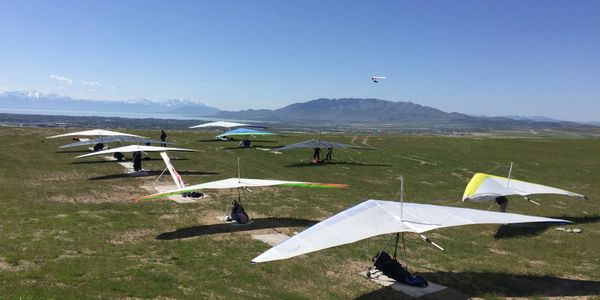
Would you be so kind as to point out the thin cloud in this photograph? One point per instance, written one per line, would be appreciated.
(62, 79)
(91, 83)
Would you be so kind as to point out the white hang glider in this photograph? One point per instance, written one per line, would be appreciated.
(241, 183)
(93, 132)
(237, 212)
(377, 217)
(114, 139)
(376, 79)
(137, 149)
(221, 124)
(485, 187)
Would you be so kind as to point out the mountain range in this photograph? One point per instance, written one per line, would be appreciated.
(319, 112)
(42, 101)
(376, 111)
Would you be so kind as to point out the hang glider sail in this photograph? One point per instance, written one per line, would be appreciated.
(485, 187)
(376, 79)
(93, 132)
(233, 183)
(113, 139)
(317, 144)
(378, 217)
(244, 132)
(221, 124)
(136, 148)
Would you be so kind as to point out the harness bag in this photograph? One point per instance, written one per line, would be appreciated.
(393, 269)
(238, 213)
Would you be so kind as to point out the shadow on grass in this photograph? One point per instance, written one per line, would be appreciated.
(74, 151)
(512, 285)
(260, 223)
(150, 173)
(251, 147)
(498, 285)
(125, 160)
(311, 164)
(533, 229)
(390, 293)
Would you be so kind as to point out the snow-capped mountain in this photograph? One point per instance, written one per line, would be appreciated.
(38, 100)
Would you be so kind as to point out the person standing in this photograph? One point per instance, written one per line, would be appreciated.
(317, 155)
(163, 138)
(329, 155)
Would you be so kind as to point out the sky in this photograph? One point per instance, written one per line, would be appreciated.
(535, 58)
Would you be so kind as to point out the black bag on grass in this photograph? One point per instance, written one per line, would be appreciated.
(393, 269)
(238, 214)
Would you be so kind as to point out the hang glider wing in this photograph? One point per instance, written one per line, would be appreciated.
(377, 217)
(136, 148)
(317, 144)
(377, 78)
(220, 124)
(244, 132)
(93, 132)
(113, 139)
(485, 187)
(232, 183)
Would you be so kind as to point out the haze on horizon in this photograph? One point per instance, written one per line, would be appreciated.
(511, 57)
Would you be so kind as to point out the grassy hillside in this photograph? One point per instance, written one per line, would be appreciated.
(69, 228)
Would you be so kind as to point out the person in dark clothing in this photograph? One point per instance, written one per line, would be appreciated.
(329, 155)
(316, 155)
(137, 161)
(245, 143)
(502, 202)
(98, 147)
(163, 138)
(119, 156)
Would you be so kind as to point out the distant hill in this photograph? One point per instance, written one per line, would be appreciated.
(37, 100)
(376, 111)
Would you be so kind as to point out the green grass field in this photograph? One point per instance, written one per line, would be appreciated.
(69, 228)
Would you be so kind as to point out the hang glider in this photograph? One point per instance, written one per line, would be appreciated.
(485, 187)
(113, 139)
(93, 132)
(317, 144)
(222, 124)
(237, 214)
(233, 183)
(244, 132)
(137, 157)
(377, 217)
(136, 148)
(376, 79)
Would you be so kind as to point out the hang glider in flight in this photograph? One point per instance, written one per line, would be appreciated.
(485, 187)
(377, 217)
(93, 132)
(376, 79)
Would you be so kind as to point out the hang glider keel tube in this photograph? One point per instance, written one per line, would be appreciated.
(177, 178)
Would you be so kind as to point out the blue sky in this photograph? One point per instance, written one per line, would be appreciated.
(478, 57)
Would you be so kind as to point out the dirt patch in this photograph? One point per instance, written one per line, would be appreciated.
(21, 266)
(422, 162)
